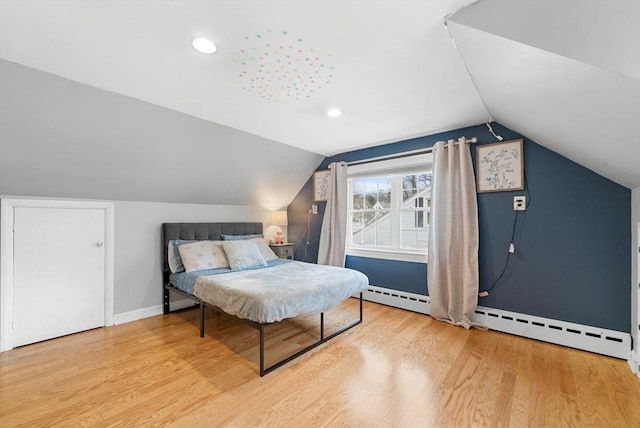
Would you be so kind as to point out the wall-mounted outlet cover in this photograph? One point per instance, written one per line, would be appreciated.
(519, 203)
(314, 209)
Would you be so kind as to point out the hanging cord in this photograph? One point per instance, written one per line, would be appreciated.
(464, 63)
(485, 293)
(527, 189)
(499, 137)
(306, 232)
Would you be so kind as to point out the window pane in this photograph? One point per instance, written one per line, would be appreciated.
(371, 228)
(377, 192)
(414, 227)
(384, 192)
(358, 186)
(415, 185)
(357, 224)
(358, 201)
(415, 238)
(370, 186)
(374, 229)
(369, 237)
(408, 187)
(416, 204)
(384, 199)
(424, 181)
(383, 229)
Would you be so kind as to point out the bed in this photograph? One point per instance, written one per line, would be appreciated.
(259, 290)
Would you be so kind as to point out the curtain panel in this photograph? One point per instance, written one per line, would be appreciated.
(333, 236)
(452, 261)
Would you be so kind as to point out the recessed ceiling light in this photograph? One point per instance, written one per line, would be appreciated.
(334, 112)
(203, 45)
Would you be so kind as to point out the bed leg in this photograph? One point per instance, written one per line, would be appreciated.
(360, 307)
(201, 319)
(262, 372)
(321, 325)
(167, 301)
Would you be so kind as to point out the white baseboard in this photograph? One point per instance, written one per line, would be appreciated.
(588, 338)
(399, 299)
(634, 362)
(139, 314)
(602, 341)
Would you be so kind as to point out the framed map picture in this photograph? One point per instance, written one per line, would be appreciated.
(321, 185)
(500, 167)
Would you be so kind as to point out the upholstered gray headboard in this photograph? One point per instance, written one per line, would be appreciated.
(202, 231)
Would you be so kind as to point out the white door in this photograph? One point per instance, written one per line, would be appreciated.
(58, 272)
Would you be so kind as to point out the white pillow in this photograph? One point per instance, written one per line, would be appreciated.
(265, 251)
(203, 255)
(173, 256)
(243, 254)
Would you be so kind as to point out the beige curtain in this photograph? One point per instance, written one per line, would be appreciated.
(452, 263)
(333, 235)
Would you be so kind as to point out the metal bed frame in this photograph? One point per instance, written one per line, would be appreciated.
(213, 231)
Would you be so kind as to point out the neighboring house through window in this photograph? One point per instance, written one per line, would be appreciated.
(389, 208)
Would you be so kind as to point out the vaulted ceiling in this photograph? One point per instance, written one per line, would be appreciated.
(564, 73)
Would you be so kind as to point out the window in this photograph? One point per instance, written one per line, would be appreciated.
(420, 214)
(389, 208)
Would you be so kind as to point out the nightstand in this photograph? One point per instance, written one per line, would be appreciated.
(284, 251)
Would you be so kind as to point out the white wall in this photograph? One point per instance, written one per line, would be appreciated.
(635, 292)
(138, 287)
(138, 274)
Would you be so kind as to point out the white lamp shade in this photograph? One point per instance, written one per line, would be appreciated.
(279, 218)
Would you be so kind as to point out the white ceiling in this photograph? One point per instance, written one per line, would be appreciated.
(389, 66)
(564, 73)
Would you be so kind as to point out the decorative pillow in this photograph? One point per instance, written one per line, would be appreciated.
(243, 254)
(203, 255)
(241, 237)
(173, 256)
(265, 251)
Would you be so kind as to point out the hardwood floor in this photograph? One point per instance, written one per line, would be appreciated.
(397, 369)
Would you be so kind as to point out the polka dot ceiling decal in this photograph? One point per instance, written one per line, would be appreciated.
(280, 68)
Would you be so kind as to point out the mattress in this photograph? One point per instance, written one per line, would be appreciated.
(282, 290)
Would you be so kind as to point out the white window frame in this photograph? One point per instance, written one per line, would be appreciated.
(398, 166)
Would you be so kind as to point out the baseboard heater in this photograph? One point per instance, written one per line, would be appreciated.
(601, 341)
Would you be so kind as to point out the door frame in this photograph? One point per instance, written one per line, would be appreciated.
(6, 256)
(634, 360)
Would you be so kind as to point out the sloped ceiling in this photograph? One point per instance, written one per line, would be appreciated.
(564, 73)
(59, 138)
(280, 65)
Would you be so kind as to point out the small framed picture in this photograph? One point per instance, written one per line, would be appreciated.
(500, 167)
(321, 185)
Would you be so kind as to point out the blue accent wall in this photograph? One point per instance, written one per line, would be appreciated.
(403, 276)
(572, 259)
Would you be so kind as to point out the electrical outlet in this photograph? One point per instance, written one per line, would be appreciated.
(519, 203)
(314, 209)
